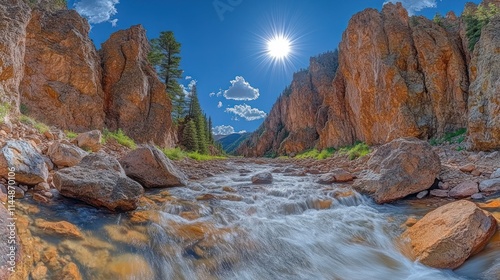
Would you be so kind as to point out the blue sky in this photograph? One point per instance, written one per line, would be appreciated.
(224, 45)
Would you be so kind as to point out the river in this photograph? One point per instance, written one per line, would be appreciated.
(293, 228)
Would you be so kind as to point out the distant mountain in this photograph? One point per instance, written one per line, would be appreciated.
(232, 141)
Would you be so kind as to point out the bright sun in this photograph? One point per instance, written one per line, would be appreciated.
(278, 47)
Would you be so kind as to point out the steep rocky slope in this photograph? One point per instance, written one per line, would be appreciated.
(398, 76)
(51, 70)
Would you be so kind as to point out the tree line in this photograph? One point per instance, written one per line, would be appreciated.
(194, 129)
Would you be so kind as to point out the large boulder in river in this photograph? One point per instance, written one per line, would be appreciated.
(28, 163)
(150, 167)
(99, 180)
(402, 167)
(64, 154)
(447, 236)
(262, 178)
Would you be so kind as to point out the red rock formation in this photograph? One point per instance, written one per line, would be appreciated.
(62, 76)
(135, 99)
(14, 16)
(484, 100)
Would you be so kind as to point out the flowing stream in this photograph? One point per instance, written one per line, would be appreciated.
(290, 229)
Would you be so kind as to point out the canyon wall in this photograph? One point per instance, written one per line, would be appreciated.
(398, 76)
(51, 71)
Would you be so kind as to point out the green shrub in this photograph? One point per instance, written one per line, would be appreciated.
(174, 154)
(312, 153)
(23, 109)
(4, 110)
(70, 134)
(41, 127)
(475, 20)
(359, 149)
(120, 137)
(454, 137)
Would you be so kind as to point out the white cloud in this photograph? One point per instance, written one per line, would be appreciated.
(240, 90)
(219, 105)
(187, 90)
(415, 5)
(97, 11)
(225, 130)
(212, 94)
(188, 78)
(113, 22)
(246, 112)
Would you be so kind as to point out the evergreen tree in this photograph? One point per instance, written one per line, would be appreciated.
(209, 131)
(196, 114)
(164, 56)
(189, 137)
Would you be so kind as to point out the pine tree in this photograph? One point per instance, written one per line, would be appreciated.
(209, 131)
(196, 114)
(190, 137)
(164, 56)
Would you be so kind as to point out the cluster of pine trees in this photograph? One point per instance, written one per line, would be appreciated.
(193, 127)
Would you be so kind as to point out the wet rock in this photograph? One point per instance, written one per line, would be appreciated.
(19, 192)
(464, 189)
(447, 236)
(337, 175)
(40, 272)
(262, 178)
(402, 167)
(43, 186)
(128, 266)
(65, 155)
(70, 272)
(495, 174)
(231, 197)
(85, 255)
(40, 198)
(61, 228)
(491, 185)
(206, 196)
(422, 194)
(411, 221)
(439, 193)
(99, 180)
(319, 204)
(127, 236)
(145, 216)
(228, 189)
(150, 167)
(477, 196)
(29, 164)
(90, 140)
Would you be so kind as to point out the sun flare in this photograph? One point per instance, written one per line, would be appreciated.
(278, 47)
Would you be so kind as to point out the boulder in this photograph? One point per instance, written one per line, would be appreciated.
(484, 101)
(402, 167)
(337, 175)
(262, 178)
(64, 154)
(135, 99)
(90, 140)
(29, 164)
(61, 228)
(150, 167)
(99, 180)
(447, 236)
(491, 185)
(464, 189)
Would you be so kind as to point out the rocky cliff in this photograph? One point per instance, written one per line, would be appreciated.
(51, 70)
(398, 76)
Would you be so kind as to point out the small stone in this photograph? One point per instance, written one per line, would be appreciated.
(476, 172)
(19, 193)
(228, 189)
(464, 189)
(40, 272)
(439, 193)
(48, 194)
(477, 196)
(467, 168)
(40, 198)
(48, 135)
(24, 188)
(206, 197)
(61, 228)
(495, 174)
(43, 186)
(422, 194)
(410, 221)
(444, 185)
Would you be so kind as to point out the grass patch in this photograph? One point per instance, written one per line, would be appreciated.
(455, 137)
(359, 149)
(178, 153)
(316, 154)
(41, 127)
(4, 110)
(120, 137)
(201, 157)
(70, 134)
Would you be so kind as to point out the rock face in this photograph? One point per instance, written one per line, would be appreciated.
(14, 17)
(484, 100)
(99, 180)
(29, 164)
(135, 99)
(402, 167)
(150, 167)
(447, 236)
(65, 154)
(397, 77)
(62, 76)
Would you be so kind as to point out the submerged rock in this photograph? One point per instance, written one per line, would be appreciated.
(447, 236)
(262, 178)
(99, 180)
(29, 164)
(150, 167)
(61, 228)
(402, 167)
